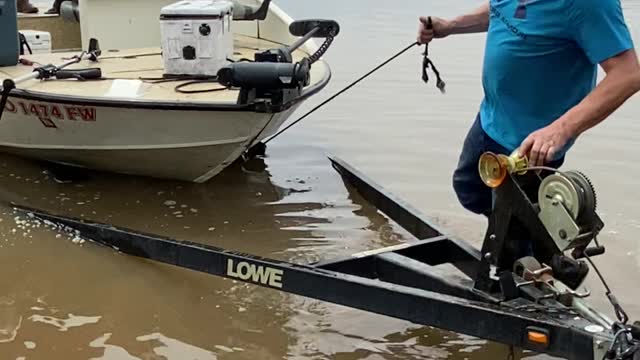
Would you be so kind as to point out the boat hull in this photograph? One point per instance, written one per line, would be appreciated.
(134, 120)
(188, 144)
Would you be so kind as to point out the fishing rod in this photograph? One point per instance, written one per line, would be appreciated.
(426, 63)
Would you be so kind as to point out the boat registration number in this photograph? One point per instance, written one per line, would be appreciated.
(48, 113)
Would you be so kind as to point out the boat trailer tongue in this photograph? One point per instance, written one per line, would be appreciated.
(523, 288)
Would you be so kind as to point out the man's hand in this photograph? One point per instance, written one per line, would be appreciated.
(543, 145)
(474, 22)
(441, 28)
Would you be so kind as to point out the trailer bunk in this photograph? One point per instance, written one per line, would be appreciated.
(519, 289)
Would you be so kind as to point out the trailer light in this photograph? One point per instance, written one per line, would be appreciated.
(538, 338)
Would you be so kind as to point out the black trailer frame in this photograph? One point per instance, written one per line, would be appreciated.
(402, 281)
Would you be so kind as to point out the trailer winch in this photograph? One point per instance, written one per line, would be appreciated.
(519, 289)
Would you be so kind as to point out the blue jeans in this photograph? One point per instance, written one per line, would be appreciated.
(472, 193)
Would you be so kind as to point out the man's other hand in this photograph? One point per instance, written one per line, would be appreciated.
(543, 145)
(441, 28)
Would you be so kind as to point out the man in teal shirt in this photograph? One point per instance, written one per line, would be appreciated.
(539, 79)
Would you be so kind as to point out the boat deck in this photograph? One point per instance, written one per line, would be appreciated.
(126, 72)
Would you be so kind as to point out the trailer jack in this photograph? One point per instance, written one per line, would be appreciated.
(519, 289)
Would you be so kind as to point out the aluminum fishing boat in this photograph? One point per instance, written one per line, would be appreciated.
(117, 110)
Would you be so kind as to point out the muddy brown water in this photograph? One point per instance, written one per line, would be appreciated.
(61, 299)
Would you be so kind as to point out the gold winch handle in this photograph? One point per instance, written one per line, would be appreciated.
(494, 168)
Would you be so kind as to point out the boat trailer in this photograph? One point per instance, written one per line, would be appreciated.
(519, 289)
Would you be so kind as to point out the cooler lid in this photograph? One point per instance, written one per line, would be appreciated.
(200, 8)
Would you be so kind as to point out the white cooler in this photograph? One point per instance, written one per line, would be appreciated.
(197, 37)
(39, 41)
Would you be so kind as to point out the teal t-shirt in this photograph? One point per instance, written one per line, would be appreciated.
(541, 59)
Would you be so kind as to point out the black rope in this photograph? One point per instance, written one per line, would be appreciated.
(426, 63)
(342, 91)
(620, 313)
(23, 43)
(191, 80)
(172, 78)
(239, 60)
(7, 86)
(76, 57)
(178, 88)
(440, 84)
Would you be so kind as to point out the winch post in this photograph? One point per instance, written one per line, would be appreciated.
(514, 230)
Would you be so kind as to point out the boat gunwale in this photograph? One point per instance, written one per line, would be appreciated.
(169, 105)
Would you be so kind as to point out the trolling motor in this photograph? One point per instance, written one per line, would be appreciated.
(273, 76)
(540, 214)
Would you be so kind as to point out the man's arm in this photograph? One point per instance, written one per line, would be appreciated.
(621, 82)
(598, 27)
(474, 22)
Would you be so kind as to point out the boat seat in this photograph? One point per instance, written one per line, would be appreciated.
(69, 10)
